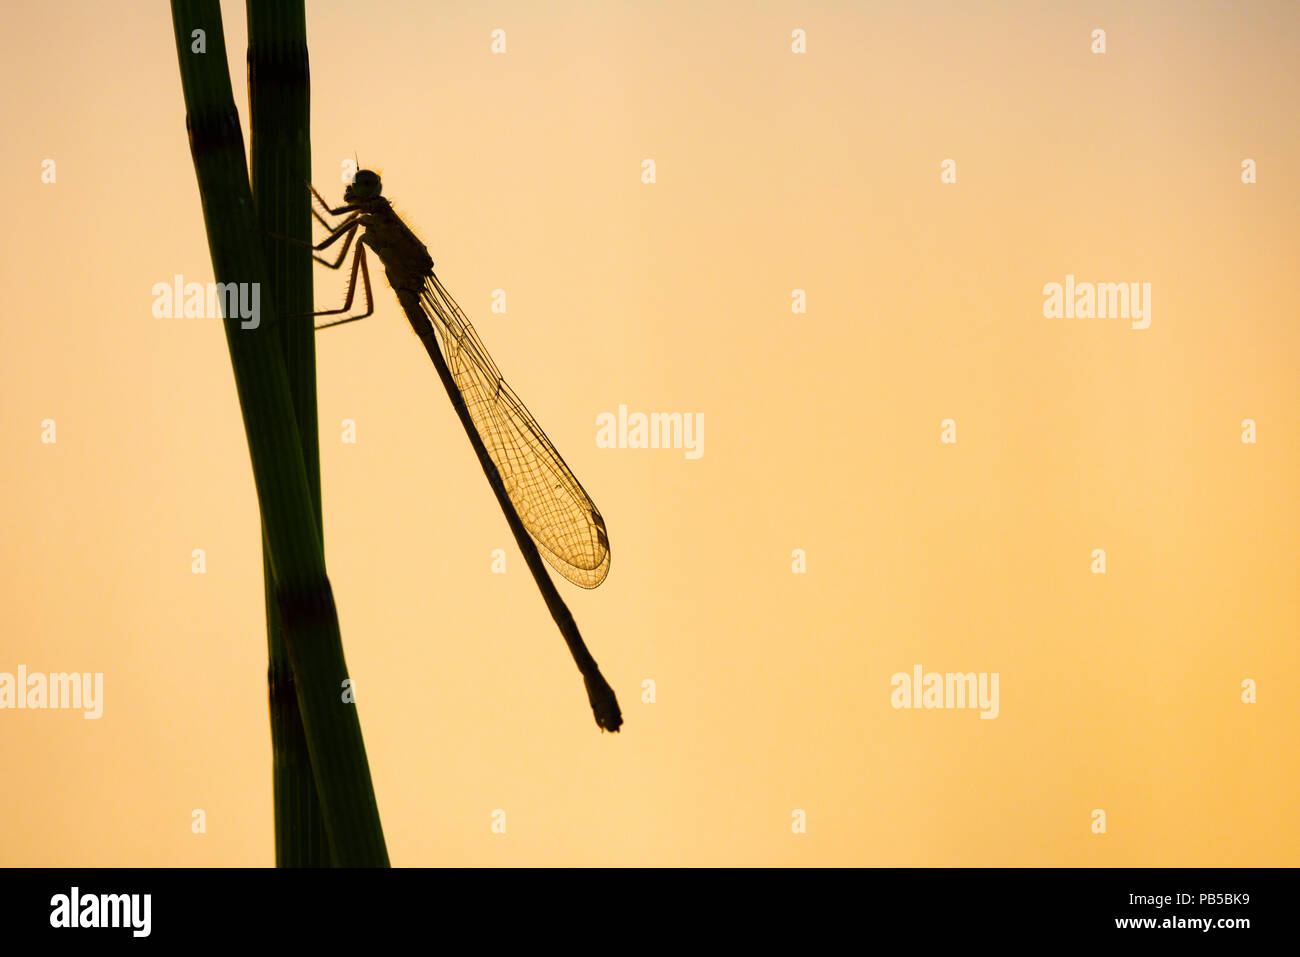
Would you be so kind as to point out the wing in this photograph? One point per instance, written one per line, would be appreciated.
(552, 504)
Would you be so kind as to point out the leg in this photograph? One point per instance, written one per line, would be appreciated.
(326, 206)
(321, 219)
(348, 226)
(358, 262)
(343, 253)
(348, 229)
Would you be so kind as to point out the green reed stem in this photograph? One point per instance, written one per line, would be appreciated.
(287, 498)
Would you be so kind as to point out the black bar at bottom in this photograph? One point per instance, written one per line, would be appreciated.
(924, 906)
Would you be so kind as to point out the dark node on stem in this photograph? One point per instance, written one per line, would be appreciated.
(282, 68)
(214, 132)
(301, 609)
(279, 682)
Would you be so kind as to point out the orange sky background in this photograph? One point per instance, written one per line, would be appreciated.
(775, 172)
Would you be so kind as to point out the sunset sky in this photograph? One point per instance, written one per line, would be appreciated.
(827, 538)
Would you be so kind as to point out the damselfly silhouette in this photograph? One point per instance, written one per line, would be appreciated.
(546, 507)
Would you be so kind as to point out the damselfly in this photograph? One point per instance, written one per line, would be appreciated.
(546, 507)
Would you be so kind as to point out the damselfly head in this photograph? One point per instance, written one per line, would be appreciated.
(365, 185)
